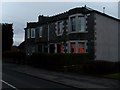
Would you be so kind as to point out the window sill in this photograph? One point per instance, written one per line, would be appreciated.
(59, 34)
(79, 32)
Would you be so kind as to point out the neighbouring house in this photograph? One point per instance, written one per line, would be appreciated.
(79, 30)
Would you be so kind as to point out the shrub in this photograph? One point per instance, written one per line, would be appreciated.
(14, 56)
(53, 61)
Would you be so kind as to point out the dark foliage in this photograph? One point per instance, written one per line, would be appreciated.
(55, 61)
(14, 57)
(64, 62)
(7, 37)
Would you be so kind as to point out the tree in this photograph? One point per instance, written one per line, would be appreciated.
(7, 37)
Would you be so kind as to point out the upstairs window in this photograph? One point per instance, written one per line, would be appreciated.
(81, 23)
(59, 27)
(73, 24)
(32, 32)
(28, 33)
(40, 32)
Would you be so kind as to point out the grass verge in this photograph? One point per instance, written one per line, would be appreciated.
(113, 76)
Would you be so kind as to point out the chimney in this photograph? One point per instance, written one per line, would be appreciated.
(103, 9)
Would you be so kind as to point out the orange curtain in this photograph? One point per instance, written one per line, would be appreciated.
(81, 50)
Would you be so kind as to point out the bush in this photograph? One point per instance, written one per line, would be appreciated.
(54, 61)
(15, 57)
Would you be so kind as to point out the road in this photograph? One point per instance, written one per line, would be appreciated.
(17, 81)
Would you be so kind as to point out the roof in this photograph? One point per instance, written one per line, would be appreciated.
(65, 15)
(83, 10)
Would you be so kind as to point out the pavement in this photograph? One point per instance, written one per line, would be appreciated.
(69, 79)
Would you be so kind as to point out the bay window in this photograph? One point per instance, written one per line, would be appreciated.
(81, 23)
(81, 47)
(73, 24)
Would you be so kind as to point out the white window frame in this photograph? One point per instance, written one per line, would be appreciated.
(73, 24)
(40, 31)
(33, 32)
(81, 24)
(76, 44)
(76, 22)
(60, 27)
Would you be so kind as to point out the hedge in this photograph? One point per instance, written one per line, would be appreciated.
(56, 60)
(14, 57)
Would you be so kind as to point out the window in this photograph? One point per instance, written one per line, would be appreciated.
(59, 48)
(73, 23)
(40, 31)
(81, 47)
(33, 49)
(81, 23)
(73, 47)
(78, 47)
(59, 28)
(32, 33)
(28, 33)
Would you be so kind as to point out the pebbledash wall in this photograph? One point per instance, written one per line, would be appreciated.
(79, 30)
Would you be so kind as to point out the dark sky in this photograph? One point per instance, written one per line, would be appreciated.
(19, 13)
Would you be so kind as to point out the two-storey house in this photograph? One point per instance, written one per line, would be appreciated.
(79, 30)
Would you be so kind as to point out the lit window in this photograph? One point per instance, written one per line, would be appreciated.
(28, 33)
(73, 24)
(32, 33)
(81, 23)
(81, 47)
(40, 32)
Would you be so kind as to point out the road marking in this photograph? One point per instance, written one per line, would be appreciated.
(10, 85)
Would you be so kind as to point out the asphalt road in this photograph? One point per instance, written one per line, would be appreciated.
(17, 81)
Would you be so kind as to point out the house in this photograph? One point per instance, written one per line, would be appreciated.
(79, 30)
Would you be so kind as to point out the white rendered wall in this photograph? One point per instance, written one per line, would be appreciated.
(106, 43)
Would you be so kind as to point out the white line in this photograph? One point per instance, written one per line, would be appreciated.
(10, 85)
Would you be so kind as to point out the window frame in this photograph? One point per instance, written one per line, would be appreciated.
(76, 45)
(32, 31)
(59, 27)
(40, 31)
(73, 24)
(76, 22)
(82, 25)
